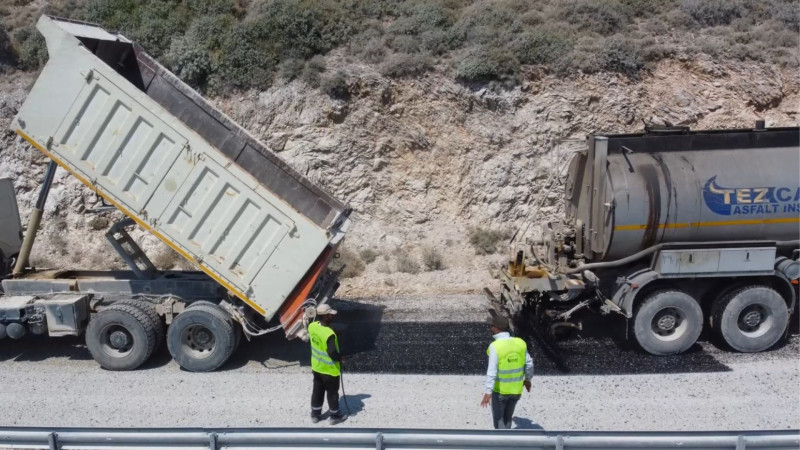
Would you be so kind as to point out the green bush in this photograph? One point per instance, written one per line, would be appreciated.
(483, 64)
(301, 29)
(335, 85)
(312, 71)
(541, 47)
(603, 16)
(246, 61)
(7, 57)
(620, 55)
(31, 49)
(711, 13)
(400, 65)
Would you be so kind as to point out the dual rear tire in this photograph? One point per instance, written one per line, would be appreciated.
(124, 335)
(748, 319)
(202, 338)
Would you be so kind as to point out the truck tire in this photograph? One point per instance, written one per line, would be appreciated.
(120, 337)
(750, 319)
(201, 338)
(237, 328)
(667, 322)
(149, 309)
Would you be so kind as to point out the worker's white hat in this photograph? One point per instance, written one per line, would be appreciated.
(325, 310)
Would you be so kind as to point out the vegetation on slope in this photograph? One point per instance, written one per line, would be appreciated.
(219, 45)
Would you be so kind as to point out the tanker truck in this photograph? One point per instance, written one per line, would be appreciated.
(261, 234)
(675, 230)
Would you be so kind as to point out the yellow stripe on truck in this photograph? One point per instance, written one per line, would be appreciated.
(712, 224)
(144, 225)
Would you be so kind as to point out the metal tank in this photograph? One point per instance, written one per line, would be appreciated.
(627, 193)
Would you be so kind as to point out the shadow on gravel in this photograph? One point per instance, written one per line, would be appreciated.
(522, 423)
(357, 326)
(355, 403)
(40, 348)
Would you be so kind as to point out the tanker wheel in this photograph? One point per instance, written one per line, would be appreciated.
(120, 337)
(201, 338)
(667, 322)
(150, 310)
(750, 319)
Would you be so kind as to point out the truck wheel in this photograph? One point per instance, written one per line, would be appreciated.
(237, 328)
(120, 337)
(750, 319)
(201, 338)
(667, 322)
(149, 309)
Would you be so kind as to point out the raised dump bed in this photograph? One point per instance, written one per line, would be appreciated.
(129, 129)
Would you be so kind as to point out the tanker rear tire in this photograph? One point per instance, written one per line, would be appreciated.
(750, 319)
(202, 338)
(667, 322)
(120, 337)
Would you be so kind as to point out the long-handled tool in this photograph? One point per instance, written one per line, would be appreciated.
(344, 395)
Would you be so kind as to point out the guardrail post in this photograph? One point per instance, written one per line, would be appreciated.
(52, 441)
(379, 441)
(741, 444)
(559, 442)
(212, 441)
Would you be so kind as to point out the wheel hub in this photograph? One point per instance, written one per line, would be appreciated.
(667, 322)
(119, 339)
(198, 340)
(752, 318)
(202, 337)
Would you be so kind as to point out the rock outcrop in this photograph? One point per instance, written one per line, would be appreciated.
(424, 161)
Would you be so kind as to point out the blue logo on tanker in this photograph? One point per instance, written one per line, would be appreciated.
(728, 201)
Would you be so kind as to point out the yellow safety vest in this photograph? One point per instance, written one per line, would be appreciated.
(510, 365)
(321, 362)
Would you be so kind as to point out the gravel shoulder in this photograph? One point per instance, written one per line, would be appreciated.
(409, 375)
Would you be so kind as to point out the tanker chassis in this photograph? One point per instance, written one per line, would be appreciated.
(675, 230)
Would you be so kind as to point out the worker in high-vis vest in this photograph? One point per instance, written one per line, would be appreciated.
(326, 366)
(510, 369)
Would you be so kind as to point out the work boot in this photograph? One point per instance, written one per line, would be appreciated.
(315, 416)
(335, 419)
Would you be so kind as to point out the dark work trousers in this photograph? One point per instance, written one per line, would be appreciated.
(503, 410)
(325, 384)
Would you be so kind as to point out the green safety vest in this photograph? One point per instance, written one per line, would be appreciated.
(321, 362)
(510, 365)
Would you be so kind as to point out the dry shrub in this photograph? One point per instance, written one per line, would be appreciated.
(485, 240)
(405, 263)
(166, 258)
(432, 259)
(368, 255)
(349, 262)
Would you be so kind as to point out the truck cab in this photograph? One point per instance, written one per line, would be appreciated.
(10, 227)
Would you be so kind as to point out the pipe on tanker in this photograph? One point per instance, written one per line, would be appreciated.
(655, 248)
(35, 219)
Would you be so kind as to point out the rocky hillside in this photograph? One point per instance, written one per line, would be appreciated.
(436, 172)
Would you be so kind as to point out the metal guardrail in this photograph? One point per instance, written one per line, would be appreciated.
(386, 439)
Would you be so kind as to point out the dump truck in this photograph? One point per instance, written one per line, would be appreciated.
(675, 230)
(261, 234)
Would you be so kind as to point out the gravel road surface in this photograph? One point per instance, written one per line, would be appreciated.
(416, 363)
